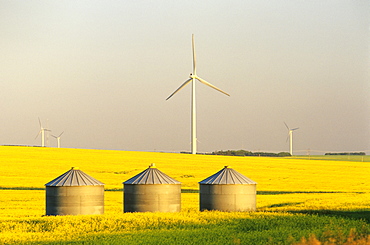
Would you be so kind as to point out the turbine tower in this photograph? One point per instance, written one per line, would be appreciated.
(42, 132)
(290, 136)
(192, 78)
(58, 138)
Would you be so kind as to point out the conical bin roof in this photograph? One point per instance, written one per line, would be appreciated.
(227, 176)
(74, 177)
(151, 176)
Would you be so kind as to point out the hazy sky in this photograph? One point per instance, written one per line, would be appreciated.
(101, 70)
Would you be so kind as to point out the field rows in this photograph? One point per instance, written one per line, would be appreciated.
(33, 167)
(31, 203)
(296, 198)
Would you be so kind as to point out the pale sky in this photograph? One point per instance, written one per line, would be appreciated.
(101, 70)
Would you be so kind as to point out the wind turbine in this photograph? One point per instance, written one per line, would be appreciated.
(290, 136)
(192, 78)
(58, 138)
(42, 132)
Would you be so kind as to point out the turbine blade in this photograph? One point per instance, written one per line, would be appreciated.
(286, 126)
(294, 129)
(194, 57)
(287, 138)
(182, 85)
(38, 134)
(210, 85)
(40, 123)
(61, 134)
(54, 136)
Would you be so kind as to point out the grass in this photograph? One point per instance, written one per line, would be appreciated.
(182, 228)
(205, 229)
(326, 200)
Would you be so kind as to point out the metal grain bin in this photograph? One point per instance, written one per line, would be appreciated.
(74, 193)
(228, 190)
(152, 191)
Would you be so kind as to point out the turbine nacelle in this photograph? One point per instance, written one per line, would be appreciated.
(42, 132)
(58, 138)
(290, 137)
(192, 78)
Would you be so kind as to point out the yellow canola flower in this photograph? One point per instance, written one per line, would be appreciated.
(284, 184)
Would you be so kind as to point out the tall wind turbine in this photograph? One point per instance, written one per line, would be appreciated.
(58, 138)
(290, 136)
(192, 78)
(42, 132)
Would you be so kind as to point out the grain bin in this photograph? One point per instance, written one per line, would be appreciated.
(74, 193)
(152, 191)
(227, 190)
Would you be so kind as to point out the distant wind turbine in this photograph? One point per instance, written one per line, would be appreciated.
(42, 132)
(193, 77)
(290, 137)
(58, 138)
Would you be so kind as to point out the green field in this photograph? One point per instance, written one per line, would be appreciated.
(299, 201)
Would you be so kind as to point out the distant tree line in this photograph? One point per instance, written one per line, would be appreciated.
(249, 153)
(346, 153)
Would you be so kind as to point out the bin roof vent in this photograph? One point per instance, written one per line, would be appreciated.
(151, 176)
(227, 176)
(74, 177)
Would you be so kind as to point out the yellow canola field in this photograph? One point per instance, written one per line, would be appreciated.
(28, 204)
(64, 228)
(284, 184)
(33, 167)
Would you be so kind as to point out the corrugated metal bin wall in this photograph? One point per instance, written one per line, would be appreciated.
(74, 193)
(152, 191)
(227, 190)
